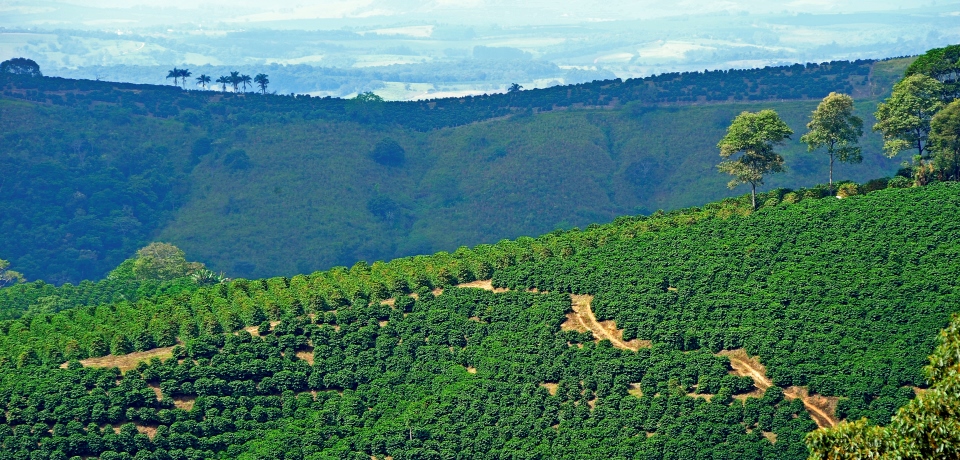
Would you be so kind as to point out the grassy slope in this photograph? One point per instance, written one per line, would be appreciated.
(303, 206)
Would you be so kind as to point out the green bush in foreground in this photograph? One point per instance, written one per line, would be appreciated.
(926, 428)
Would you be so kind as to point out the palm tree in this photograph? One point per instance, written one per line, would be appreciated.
(174, 74)
(235, 80)
(263, 81)
(184, 73)
(223, 82)
(246, 80)
(202, 80)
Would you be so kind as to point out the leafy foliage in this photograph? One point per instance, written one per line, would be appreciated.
(20, 66)
(388, 153)
(341, 374)
(754, 136)
(163, 262)
(943, 65)
(904, 118)
(834, 126)
(945, 141)
(8, 276)
(926, 428)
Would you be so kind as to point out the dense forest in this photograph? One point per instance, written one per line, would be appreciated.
(394, 359)
(94, 170)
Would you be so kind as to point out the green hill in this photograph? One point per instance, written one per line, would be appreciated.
(735, 333)
(267, 185)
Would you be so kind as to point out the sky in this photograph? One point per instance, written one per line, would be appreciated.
(463, 11)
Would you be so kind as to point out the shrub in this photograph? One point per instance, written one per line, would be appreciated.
(875, 184)
(848, 189)
(899, 182)
(236, 159)
(388, 153)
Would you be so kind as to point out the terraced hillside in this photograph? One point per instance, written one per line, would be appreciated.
(712, 332)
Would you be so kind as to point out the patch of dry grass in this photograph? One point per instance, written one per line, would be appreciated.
(126, 362)
(551, 387)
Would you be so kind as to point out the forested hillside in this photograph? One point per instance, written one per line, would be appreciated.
(261, 185)
(713, 332)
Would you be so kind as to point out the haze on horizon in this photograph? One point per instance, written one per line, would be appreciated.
(405, 49)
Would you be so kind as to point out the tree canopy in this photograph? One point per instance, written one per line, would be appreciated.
(21, 66)
(834, 126)
(9, 277)
(904, 118)
(162, 261)
(754, 136)
(945, 141)
(943, 65)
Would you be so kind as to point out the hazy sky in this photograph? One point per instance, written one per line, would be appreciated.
(466, 11)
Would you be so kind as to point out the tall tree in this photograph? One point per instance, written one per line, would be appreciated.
(753, 135)
(223, 81)
(945, 141)
(235, 81)
(904, 118)
(162, 261)
(834, 127)
(175, 75)
(262, 80)
(184, 73)
(202, 80)
(246, 80)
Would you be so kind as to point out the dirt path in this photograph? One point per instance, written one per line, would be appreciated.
(583, 319)
(821, 408)
(745, 366)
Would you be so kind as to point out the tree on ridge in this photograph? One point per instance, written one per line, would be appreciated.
(262, 80)
(223, 81)
(834, 126)
(202, 80)
(21, 66)
(904, 118)
(235, 81)
(754, 135)
(175, 75)
(184, 73)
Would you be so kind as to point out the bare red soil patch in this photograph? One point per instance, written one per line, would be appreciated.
(582, 319)
(821, 408)
(126, 362)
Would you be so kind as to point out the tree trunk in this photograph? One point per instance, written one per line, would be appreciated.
(753, 195)
(831, 174)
